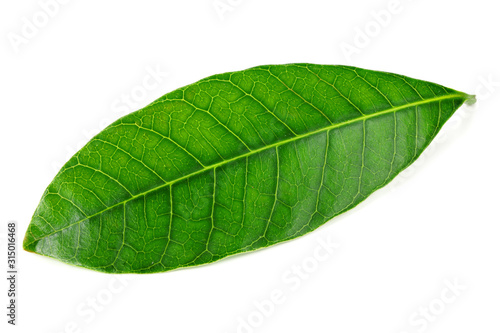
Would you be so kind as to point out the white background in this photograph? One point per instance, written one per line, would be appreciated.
(437, 223)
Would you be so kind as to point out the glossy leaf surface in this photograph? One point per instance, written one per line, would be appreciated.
(233, 163)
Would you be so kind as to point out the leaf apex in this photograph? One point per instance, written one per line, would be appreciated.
(29, 245)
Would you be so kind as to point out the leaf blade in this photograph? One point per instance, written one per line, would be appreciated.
(293, 109)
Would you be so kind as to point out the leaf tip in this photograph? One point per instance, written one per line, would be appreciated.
(28, 245)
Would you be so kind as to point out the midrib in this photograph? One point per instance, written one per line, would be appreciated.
(256, 151)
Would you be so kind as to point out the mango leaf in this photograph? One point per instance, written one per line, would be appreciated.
(233, 163)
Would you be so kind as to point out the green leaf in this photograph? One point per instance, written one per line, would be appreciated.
(233, 163)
